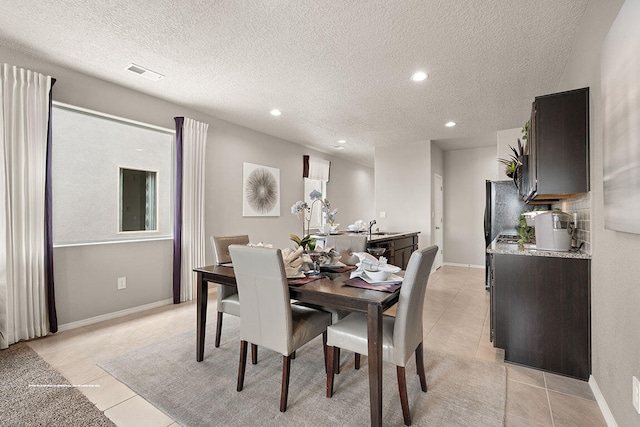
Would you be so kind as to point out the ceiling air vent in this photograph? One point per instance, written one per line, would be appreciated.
(144, 72)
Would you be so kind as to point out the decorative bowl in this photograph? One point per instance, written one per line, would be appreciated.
(378, 276)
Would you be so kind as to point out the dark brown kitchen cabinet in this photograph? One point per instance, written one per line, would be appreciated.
(398, 249)
(557, 166)
(540, 312)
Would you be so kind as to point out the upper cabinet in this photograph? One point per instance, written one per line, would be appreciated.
(557, 164)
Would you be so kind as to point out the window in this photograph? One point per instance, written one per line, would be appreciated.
(317, 218)
(137, 200)
(101, 163)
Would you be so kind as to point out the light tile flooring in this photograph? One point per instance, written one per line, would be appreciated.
(456, 320)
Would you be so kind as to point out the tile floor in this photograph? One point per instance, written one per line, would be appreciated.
(456, 320)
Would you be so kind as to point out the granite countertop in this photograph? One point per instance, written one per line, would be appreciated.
(375, 236)
(529, 249)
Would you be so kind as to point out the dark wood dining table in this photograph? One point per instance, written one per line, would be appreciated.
(330, 290)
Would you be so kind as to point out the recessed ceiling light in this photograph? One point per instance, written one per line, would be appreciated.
(419, 76)
(339, 147)
(144, 72)
(450, 124)
(342, 141)
(138, 149)
(275, 112)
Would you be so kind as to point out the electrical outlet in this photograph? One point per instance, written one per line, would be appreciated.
(636, 394)
(383, 214)
(122, 282)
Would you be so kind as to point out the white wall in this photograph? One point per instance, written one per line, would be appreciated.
(465, 173)
(403, 189)
(86, 276)
(615, 290)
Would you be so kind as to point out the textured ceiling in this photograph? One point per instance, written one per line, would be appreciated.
(336, 69)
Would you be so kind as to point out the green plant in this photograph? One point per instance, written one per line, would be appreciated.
(524, 231)
(525, 131)
(513, 163)
(307, 242)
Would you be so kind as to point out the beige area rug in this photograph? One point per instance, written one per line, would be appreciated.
(461, 392)
(32, 393)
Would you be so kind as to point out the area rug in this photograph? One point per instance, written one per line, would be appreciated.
(461, 392)
(32, 393)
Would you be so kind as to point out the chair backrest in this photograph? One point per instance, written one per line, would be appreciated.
(221, 244)
(407, 332)
(265, 307)
(346, 246)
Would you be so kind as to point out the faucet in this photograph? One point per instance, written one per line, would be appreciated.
(371, 223)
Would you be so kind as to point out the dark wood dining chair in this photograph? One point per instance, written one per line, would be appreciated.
(267, 317)
(402, 335)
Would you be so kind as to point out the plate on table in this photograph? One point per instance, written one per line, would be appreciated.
(393, 278)
(338, 264)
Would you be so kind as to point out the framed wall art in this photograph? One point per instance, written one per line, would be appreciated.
(260, 190)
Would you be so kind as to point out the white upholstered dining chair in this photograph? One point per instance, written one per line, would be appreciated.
(227, 295)
(402, 335)
(267, 317)
(346, 246)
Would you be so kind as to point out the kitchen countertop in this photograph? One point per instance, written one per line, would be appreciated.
(375, 236)
(529, 249)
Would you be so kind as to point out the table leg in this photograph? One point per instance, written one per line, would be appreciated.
(374, 335)
(202, 294)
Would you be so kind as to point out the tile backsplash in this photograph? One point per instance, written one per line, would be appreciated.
(581, 206)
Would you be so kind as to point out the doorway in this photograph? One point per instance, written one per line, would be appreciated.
(437, 220)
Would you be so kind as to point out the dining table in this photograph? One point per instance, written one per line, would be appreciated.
(329, 290)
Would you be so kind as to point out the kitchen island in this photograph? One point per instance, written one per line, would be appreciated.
(540, 308)
(398, 245)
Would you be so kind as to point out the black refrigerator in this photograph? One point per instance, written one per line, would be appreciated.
(502, 210)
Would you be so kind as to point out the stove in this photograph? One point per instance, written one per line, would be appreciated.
(507, 238)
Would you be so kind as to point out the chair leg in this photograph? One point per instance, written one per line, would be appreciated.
(357, 361)
(242, 365)
(404, 401)
(218, 329)
(324, 349)
(254, 354)
(284, 393)
(420, 367)
(331, 353)
(336, 361)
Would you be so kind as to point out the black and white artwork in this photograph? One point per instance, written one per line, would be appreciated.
(260, 190)
(621, 95)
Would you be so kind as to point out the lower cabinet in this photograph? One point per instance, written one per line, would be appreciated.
(398, 249)
(540, 312)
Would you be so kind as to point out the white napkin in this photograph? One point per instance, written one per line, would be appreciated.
(292, 261)
(359, 225)
(371, 263)
(261, 244)
(329, 256)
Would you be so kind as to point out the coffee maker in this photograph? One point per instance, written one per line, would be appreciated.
(554, 231)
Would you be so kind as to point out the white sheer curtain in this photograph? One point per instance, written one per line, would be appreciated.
(194, 143)
(24, 115)
(319, 169)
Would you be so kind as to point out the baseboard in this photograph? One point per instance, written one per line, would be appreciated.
(113, 315)
(604, 408)
(454, 264)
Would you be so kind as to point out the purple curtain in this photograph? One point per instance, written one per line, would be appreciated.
(51, 298)
(177, 222)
